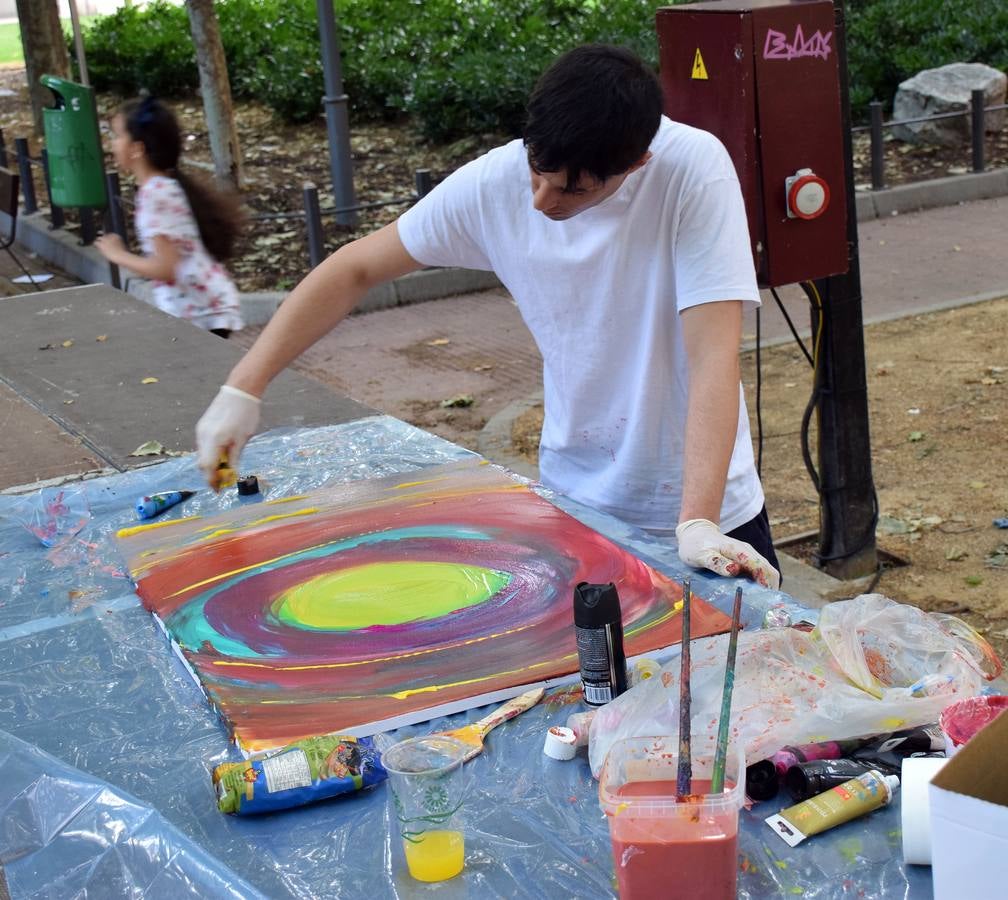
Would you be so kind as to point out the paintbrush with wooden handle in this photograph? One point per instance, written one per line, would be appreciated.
(473, 733)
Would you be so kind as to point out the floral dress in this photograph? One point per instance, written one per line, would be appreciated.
(202, 290)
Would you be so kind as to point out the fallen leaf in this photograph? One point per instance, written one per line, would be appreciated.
(998, 557)
(990, 381)
(150, 380)
(483, 368)
(67, 402)
(458, 400)
(915, 436)
(954, 554)
(438, 342)
(973, 580)
(978, 485)
(149, 448)
(892, 525)
(102, 338)
(67, 343)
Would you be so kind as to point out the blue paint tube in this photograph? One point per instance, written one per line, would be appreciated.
(155, 504)
(308, 770)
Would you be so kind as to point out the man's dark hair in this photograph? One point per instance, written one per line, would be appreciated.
(594, 111)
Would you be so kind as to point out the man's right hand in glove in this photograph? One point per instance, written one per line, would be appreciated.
(223, 431)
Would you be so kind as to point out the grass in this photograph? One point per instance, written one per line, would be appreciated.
(11, 51)
(10, 44)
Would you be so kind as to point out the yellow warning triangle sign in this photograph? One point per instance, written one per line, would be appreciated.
(699, 69)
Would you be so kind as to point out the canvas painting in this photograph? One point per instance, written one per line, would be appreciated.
(379, 603)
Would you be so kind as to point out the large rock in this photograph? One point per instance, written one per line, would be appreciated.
(947, 89)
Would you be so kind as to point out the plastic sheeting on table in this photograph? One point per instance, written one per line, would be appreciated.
(87, 676)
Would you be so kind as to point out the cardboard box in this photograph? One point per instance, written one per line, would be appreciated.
(969, 819)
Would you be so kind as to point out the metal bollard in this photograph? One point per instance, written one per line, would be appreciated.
(115, 221)
(424, 182)
(313, 223)
(877, 151)
(25, 170)
(3, 150)
(88, 228)
(978, 130)
(55, 212)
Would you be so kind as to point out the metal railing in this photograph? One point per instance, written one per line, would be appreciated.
(978, 127)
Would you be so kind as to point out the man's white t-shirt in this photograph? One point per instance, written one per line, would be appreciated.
(601, 293)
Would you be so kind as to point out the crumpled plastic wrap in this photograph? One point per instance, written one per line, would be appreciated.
(85, 839)
(871, 666)
(87, 677)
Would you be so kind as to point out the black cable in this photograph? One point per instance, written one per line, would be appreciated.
(794, 331)
(865, 541)
(759, 412)
(803, 437)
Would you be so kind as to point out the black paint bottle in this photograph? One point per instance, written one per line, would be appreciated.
(598, 625)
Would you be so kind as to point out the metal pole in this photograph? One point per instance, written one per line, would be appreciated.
(78, 43)
(877, 158)
(3, 150)
(313, 222)
(337, 121)
(88, 228)
(116, 220)
(57, 219)
(424, 183)
(27, 182)
(979, 128)
(847, 506)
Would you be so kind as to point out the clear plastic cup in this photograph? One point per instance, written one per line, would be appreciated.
(427, 789)
(664, 847)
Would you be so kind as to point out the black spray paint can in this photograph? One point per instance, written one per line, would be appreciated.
(598, 625)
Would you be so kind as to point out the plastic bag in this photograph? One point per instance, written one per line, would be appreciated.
(54, 514)
(870, 666)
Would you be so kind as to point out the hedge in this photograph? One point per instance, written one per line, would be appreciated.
(459, 67)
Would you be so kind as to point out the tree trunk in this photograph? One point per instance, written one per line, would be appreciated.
(216, 90)
(45, 50)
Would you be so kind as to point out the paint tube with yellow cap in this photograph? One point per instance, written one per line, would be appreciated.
(312, 769)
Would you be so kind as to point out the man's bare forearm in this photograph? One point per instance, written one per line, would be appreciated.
(712, 415)
(325, 296)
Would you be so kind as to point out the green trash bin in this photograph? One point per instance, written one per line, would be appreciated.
(73, 143)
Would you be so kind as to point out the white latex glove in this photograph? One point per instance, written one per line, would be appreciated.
(701, 544)
(223, 431)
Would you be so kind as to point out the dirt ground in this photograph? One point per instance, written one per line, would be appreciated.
(938, 408)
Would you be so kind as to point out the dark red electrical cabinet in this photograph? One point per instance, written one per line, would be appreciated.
(763, 76)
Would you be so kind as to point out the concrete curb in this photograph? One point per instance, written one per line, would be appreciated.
(62, 247)
(929, 194)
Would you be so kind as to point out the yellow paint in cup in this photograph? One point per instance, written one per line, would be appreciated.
(435, 855)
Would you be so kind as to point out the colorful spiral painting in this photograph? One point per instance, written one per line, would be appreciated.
(379, 603)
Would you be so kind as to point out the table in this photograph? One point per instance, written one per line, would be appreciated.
(106, 743)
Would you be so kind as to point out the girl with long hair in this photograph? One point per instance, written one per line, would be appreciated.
(186, 229)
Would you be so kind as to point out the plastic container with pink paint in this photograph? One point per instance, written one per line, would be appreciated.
(960, 721)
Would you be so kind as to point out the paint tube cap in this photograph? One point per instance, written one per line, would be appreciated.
(762, 781)
(561, 743)
(915, 808)
(248, 485)
(894, 784)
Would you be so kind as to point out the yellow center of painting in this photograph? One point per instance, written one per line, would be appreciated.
(392, 593)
